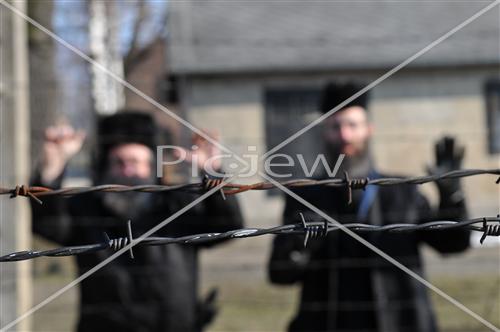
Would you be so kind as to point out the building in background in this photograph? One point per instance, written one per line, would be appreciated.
(254, 70)
(262, 66)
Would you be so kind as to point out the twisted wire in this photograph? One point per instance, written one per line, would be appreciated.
(233, 188)
(490, 226)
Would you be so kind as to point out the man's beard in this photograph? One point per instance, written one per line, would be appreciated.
(127, 205)
(358, 165)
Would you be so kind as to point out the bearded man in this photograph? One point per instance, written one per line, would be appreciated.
(158, 289)
(346, 286)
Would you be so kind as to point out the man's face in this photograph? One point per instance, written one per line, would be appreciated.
(348, 131)
(130, 160)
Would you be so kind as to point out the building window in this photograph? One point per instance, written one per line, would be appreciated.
(492, 91)
(168, 89)
(287, 110)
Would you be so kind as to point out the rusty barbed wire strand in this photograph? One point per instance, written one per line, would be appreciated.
(490, 226)
(37, 192)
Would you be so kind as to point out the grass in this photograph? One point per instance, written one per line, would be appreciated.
(262, 307)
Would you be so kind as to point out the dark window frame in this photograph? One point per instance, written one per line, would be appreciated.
(492, 101)
(288, 109)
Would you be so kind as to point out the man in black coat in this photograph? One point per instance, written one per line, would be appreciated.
(346, 286)
(158, 289)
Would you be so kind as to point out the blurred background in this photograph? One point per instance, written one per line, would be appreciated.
(254, 71)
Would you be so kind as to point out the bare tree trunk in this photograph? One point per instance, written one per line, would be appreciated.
(43, 85)
(107, 93)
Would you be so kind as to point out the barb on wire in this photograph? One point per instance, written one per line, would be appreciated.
(233, 188)
(209, 183)
(313, 231)
(354, 184)
(488, 229)
(490, 226)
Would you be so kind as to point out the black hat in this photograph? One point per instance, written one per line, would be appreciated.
(124, 127)
(335, 93)
(127, 127)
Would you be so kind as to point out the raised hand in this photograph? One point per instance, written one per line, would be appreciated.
(203, 153)
(449, 157)
(61, 143)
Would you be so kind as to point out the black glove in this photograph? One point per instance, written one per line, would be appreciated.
(449, 157)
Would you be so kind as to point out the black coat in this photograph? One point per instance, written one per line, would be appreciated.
(347, 287)
(156, 291)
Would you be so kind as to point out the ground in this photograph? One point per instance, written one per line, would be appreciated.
(249, 303)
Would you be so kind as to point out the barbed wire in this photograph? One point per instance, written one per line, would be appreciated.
(490, 226)
(36, 192)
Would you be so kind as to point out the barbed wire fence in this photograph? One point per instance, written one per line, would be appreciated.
(311, 230)
(38, 192)
(489, 226)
